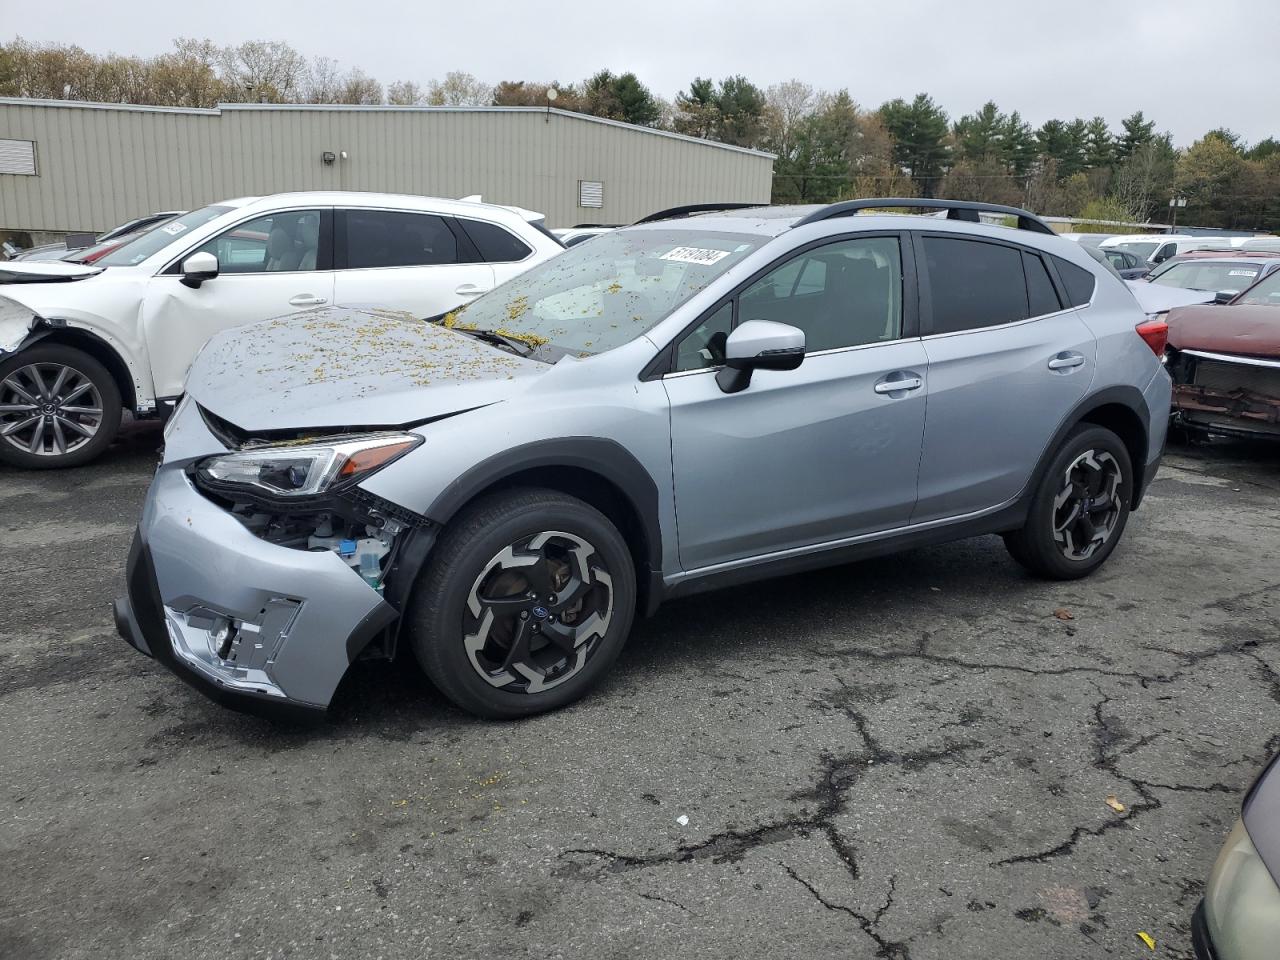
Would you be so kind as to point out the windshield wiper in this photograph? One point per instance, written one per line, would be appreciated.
(514, 344)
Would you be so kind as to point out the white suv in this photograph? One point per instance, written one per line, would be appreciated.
(78, 344)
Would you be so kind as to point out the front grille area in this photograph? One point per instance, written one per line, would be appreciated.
(1237, 376)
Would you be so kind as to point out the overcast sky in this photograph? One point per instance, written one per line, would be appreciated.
(1191, 65)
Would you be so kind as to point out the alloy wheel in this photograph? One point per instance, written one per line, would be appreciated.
(1087, 508)
(537, 612)
(49, 409)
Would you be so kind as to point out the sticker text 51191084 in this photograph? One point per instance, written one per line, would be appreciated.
(701, 255)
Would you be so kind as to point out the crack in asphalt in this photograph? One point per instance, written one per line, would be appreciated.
(892, 949)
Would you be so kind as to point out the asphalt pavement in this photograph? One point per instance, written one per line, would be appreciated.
(908, 757)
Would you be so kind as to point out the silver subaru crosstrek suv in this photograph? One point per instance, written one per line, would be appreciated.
(703, 400)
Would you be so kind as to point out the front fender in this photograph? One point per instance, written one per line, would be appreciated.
(21, 326)
(17, 323)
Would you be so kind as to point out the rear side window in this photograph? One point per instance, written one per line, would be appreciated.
(974, 284)
(388, 238)
(1040, 293)
(495, 244)
(1078, 281)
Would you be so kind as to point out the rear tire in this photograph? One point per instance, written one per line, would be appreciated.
(59, 407)
(1080, 509)
(524, 605)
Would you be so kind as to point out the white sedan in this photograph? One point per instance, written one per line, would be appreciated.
(79, 344)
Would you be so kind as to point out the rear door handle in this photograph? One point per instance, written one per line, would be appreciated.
(306, 300)
(471, 290)
(1066, 360)
(900, 381)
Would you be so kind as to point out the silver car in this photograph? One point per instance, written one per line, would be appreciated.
(1239, 917)
(669, 408)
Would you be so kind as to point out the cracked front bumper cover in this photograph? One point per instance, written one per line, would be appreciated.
(251, 624)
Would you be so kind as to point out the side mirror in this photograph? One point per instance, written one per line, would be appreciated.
(759, 345)
(198, 268)
(1224, 296)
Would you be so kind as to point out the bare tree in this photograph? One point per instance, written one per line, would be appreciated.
(187, 77)
(359, 87)
(459, 89)
(405, 93)
(786, 104)
(323, 83)
(269, 71)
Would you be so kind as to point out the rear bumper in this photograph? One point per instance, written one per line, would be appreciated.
(196, 576)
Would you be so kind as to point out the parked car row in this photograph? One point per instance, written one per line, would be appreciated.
(76, 251)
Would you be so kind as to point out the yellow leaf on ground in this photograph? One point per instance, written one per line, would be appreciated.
(1114, 803)
(1062, 613)
(1146, 938)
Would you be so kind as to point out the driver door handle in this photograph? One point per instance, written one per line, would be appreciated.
(307, 300)
(471, 290)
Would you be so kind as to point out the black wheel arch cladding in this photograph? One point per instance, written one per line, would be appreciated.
(607, 459)
(1120, 409)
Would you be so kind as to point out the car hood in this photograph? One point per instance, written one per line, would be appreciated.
(1157, 298)
(1246, 328)
(342, 367)
(45, 271)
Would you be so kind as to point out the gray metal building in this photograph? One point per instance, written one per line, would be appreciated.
(68, 166)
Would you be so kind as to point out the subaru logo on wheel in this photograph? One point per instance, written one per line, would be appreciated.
(540, 613)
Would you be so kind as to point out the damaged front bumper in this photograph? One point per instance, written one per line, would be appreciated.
(250, 623)
(1227, 394)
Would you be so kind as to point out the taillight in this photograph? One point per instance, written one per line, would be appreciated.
(1155, 333)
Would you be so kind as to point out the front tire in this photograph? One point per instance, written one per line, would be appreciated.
(1079, 510)
(59, 407)
(526, 602)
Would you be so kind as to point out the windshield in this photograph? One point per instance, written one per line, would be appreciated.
(156, 240)
(1266, 292)
(1211, 275)
(1138, 248)
(602, 294)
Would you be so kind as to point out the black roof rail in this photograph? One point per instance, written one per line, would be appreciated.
(676, 213)
(956, 210)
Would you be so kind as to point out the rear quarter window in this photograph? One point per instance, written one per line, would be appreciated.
(1078, 282)
(496, 245)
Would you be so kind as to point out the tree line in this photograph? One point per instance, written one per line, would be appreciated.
(828, 146)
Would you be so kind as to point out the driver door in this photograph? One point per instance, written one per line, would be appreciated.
(268, 267)
(809, 456)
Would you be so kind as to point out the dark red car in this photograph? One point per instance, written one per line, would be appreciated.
(1225, 363)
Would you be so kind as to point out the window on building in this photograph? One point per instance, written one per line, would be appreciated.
(18, 157)
(590, 193)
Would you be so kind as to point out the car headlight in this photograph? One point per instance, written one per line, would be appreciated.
(305, 469)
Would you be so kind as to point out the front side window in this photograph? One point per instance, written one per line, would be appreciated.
(974, 284)
(390, 238)
(1210, 275)
(602, 294)
(1266, 291)
(1167, 251)
(843, 294)
(495, 244)
(283, 242)
(173, 232)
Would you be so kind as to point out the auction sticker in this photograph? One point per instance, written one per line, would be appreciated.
(1242, 273)
(173, 229)
(695, 255)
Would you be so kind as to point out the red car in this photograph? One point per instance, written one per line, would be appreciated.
(1225, 363)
